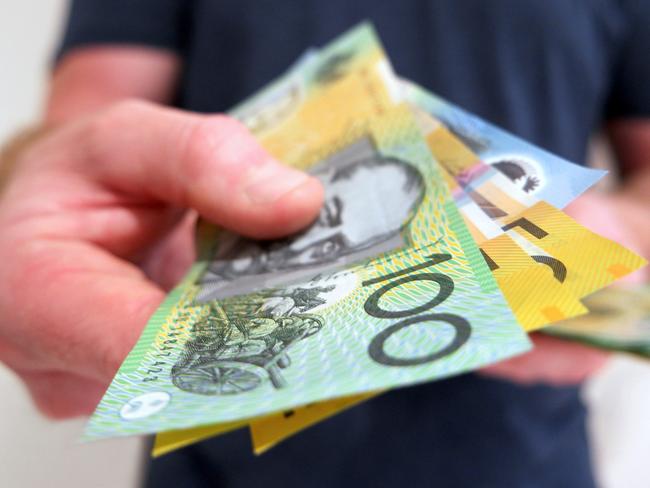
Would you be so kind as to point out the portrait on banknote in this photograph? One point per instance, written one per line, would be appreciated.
(369, 199)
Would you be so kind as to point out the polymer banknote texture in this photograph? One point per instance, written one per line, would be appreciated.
(386, 289)
(618, 320)
(537, 172)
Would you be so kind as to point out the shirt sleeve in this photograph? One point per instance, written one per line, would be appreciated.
(630, 93)
(154, 23)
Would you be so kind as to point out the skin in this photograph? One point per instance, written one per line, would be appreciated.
(96, 220)
(95, 209)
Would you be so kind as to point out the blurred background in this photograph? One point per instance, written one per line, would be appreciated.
(35, 452)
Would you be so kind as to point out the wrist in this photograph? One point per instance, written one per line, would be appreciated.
(12, 149)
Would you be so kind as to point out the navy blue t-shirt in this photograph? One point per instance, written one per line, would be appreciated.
(551, 71)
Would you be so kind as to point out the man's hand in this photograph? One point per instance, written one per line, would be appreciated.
(100, 200)
(552, 361)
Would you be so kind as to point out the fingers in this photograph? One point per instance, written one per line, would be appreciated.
(95, 189)
(74, 307)
(210, 163)
(60, 395)
(172, 257)
(553, 361)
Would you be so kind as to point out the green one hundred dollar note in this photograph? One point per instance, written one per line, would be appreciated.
(385, 289)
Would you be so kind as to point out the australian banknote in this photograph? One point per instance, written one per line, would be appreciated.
(618, 320)
(527, 302)
(521, 234)
(386, 289)
(533, 281)
(266, 432)
(539, 174)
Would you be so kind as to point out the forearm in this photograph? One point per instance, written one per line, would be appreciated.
(92, 78)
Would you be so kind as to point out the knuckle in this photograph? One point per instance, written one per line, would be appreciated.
(126, 108)
(93, 132)
(220, 142)
(196, 150)
(113, 117)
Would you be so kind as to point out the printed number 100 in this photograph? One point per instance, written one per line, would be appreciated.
(415, 315)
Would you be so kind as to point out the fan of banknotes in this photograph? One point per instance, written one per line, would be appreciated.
(440, 245)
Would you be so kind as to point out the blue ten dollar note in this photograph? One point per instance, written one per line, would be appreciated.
(535, 171)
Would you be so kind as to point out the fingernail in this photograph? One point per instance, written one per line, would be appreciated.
(272, 181)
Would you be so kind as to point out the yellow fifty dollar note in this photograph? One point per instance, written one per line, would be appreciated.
(512, 260)
(520, 235)
(169, 441)
(271, 430)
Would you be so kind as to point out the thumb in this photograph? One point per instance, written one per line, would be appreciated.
(210, 163)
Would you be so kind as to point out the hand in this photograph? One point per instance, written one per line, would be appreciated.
(552, 361)
(93, 223)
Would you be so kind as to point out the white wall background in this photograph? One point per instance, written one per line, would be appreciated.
(28, 29)
(35, 452)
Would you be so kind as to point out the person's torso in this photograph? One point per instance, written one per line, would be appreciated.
(539, 69)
